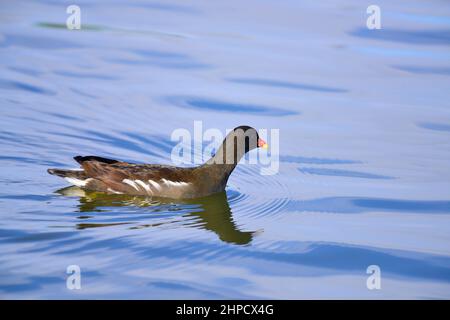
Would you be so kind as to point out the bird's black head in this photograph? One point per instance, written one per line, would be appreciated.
(249, 136)
(238, 142)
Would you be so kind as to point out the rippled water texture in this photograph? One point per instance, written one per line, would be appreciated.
(364, 119)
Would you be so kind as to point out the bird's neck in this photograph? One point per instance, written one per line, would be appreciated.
(222, 164)
(228, 154)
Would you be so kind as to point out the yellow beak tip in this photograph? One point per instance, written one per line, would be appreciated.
(265, 146)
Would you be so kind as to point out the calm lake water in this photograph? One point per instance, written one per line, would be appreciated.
(364, 177)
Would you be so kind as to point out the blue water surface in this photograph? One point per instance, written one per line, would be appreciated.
(364, 148)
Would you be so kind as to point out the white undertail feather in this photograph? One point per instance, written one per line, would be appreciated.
(73, 191)
(78, 182)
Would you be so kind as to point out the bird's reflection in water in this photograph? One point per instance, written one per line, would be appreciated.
(213, 213)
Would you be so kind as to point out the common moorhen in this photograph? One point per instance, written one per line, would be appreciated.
(118, 177)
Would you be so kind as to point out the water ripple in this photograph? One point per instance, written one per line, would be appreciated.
(287, 85)
(222, 106)
(435, 126)
(417, 37)
(37, 42)
(21, 86)
(442, 70)
(361, 204)
(342, 173)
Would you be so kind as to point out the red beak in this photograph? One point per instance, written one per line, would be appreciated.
(262, 144)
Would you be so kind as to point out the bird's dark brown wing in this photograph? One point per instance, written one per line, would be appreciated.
(81, 159)
(109, 174)
(136, 178)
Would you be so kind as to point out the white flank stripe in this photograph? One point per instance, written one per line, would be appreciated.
(174, 183)
(131, 183)
(144, 185)
(114, 191)
(78, 182)
(155, 185)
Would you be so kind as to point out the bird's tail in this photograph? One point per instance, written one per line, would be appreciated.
(63, 173)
